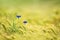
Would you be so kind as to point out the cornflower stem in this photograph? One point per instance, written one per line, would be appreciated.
(13, 24)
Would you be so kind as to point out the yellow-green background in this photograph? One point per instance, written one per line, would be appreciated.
(39, 14)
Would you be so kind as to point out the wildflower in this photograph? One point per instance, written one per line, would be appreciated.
(18, 16)
(24, 22)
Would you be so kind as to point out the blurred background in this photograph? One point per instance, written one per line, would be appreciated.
(30, 19)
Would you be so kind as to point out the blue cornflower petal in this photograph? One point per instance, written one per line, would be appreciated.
(24, 22)
(18, 16)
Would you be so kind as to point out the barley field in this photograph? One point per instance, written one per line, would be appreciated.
(29, 19)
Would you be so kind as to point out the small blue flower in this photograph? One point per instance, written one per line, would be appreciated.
(24, 22)
(18, 16)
